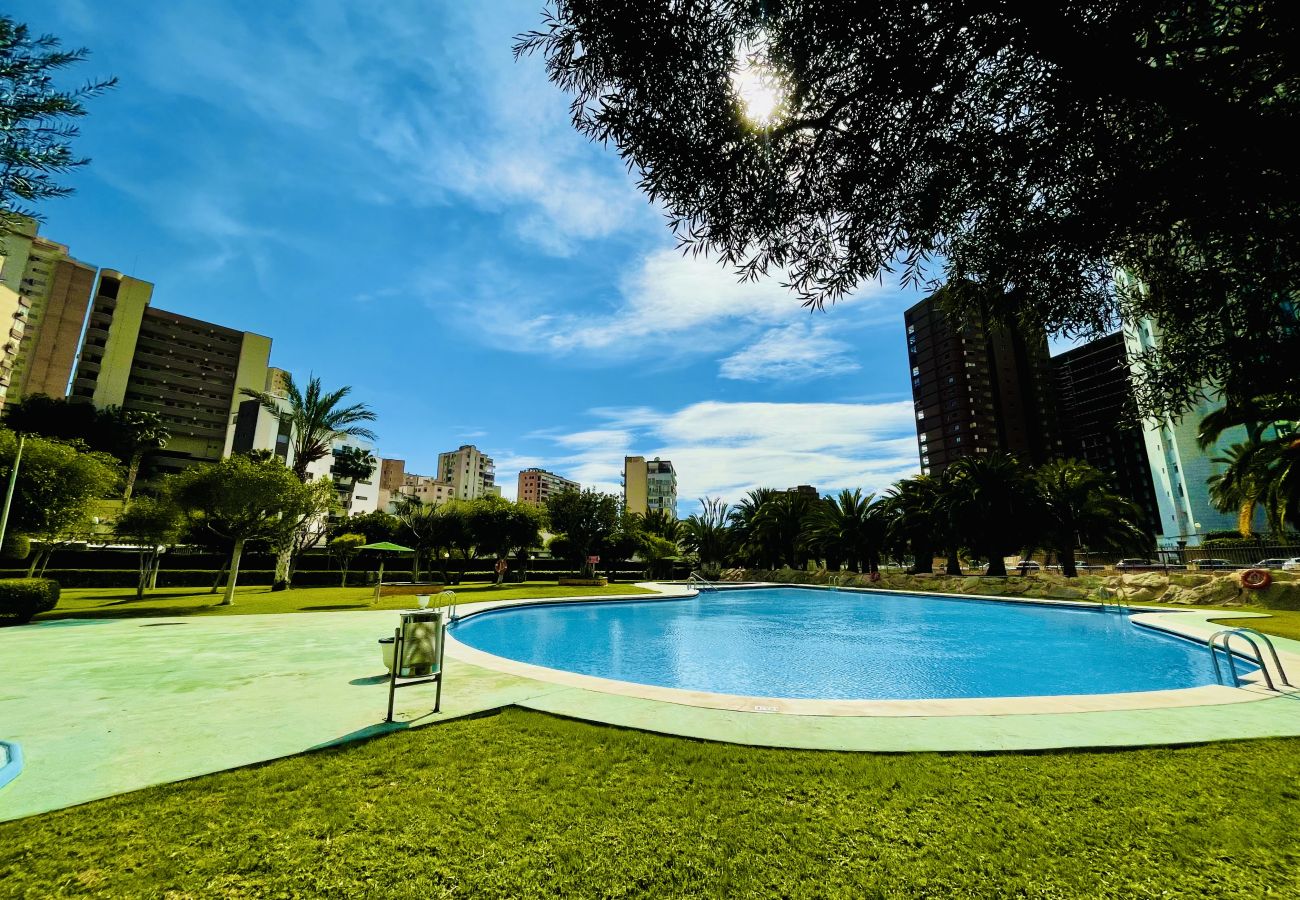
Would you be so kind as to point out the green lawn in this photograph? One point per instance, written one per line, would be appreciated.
(93, 603)
(524, 805)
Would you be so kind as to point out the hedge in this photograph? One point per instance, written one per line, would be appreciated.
(176, 578)
(22, 598)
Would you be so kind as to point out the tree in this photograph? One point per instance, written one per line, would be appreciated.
(992, 505)
(240, 499)
(657, 551)
(317, 417)
(1249, 479)
(852, 527)
(377, 525)
(742, 519)
(126, 434)
(36, 119)
(151, 523)
(433, 529)
(706, 533)
(130, 434)
(1078, 507)
(586, 520)
(780, 527)
(1265, 474)
(981, 138)
(661, 523)
(914, 521)
(55, 494)
(353, 464)
(500, 528)
(344, 547)
(305, 529)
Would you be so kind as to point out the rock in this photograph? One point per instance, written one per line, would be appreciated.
(1189, 579)
(1153, 581)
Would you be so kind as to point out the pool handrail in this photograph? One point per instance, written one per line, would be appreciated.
(699, 582)
(1248, 635)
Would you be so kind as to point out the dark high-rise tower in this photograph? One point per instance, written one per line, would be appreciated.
(1099, 420)
(978, 388)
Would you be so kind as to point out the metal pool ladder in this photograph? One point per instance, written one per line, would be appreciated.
(1220, 640)
(1114, 605)
(699, 582)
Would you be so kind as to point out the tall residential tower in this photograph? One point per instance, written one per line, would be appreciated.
(978, 388)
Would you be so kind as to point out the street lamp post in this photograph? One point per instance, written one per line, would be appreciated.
(9, 493)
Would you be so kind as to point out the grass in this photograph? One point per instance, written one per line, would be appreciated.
(117, 603)
(524, 805)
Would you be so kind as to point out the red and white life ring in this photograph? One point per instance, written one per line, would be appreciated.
(1256, 579)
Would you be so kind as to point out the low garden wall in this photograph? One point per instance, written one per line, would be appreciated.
(1189, 588)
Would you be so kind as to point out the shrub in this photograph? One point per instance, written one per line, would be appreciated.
(22, 598)
(16, 546)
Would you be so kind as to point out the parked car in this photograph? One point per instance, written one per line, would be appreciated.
(1131, 565)
(1214, 564)
(1277, 562)
(1026, 565)
(1292, 564)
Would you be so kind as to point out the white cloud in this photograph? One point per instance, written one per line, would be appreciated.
(794, 353)
(725, 449)
(407, 104)
(670, 305)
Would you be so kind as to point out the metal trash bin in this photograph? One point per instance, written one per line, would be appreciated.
(417, 652)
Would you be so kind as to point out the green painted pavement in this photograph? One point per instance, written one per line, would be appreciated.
(104, 707)
(109, 706)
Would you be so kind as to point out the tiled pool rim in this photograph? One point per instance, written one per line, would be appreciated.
(1156, 618)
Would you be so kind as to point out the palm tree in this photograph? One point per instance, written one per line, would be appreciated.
(317, 417)
(353, 464)
(914, 520)
(992, 504)
(1079, 507)
(742, 527)
(780, 527)
(1266, 474)
(706, 533)
(662, 524)
(133, 433)
(850, 527)
(1255, 473)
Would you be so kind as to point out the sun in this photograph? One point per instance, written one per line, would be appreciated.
(757, 85)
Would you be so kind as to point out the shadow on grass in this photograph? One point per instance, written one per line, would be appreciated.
(340, 606)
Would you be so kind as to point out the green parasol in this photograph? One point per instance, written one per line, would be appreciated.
(390, 547)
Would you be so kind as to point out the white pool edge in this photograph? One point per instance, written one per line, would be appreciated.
(1209, 695)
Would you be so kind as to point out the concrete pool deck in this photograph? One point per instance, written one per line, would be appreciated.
(102, 707)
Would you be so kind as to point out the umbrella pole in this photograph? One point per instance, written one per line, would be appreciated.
(379, 582)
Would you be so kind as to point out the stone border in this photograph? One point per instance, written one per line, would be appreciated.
(1209, 695)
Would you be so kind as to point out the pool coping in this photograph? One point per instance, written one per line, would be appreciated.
(1142, 616)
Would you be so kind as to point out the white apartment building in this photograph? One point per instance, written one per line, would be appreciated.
(470, 473)
(649, 485)
(1180, 469)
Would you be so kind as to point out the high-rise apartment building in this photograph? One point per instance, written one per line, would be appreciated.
(649, 485)
(191, 373)
(978, 388)
(1099, 421)
(469, 471)
(536, 486)
(1180, 469)
(43, 304)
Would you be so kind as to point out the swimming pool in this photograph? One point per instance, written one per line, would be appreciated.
(799, 643)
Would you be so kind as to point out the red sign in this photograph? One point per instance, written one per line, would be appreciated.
(592, 560)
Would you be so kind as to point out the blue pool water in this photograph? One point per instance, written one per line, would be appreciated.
(799, 643)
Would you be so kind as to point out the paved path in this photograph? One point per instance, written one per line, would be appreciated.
(104, 707)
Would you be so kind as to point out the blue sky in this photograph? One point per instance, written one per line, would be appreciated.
(404, 208)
